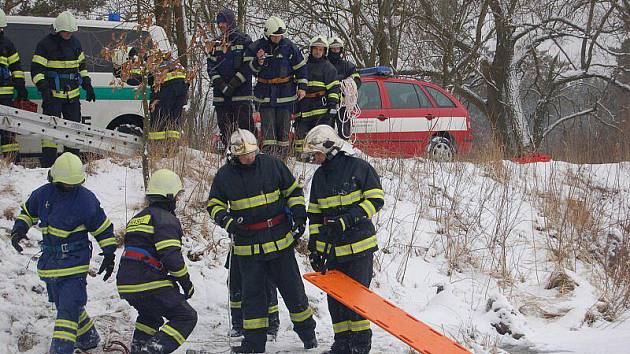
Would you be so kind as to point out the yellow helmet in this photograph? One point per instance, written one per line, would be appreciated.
(274, 26)
(3, 19)
(242, 142)
(318, 41)
(164, 182)
(67, 169)
(324, 139)
(65, 22)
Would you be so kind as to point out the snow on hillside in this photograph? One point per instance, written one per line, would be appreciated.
(466, 248)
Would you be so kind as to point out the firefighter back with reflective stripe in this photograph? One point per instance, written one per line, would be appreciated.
(11, 74)
(65, 217)
(157, 233)
(350, 187)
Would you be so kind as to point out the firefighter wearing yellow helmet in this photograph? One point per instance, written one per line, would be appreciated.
(319, 105)
(280, 71)
(258, 201)
(152, 270)
(345, 69)
(11, 82)
(342, 235)
(59, 71)
(65, 212)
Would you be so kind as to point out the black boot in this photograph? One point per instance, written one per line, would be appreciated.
(246, 348)
(339, 347)
(310, 343)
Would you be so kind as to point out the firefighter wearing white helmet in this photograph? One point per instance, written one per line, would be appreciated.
(66, 211)
(280, 70)
(59, 71)
(11, 81)
(342, 235)
(258, 201)
(345, 69)
(319, 105)
(152, 270)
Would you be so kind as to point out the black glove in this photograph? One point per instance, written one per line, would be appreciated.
(299, 226)
(337, 224)
(44, 90)
(107, 266)
(16, 236)
(232, 227)
(187, 287)
(317, 261)
(22, 94)
(219, 84)
(89, 93)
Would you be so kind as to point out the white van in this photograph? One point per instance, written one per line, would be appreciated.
(115, 107)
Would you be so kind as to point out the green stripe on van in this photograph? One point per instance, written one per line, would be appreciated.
(102, 93)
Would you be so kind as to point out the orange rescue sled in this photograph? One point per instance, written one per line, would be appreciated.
(386, 315)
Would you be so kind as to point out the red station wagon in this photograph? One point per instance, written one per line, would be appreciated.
(405, 117)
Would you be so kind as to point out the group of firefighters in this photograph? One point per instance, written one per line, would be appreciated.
(254, 197)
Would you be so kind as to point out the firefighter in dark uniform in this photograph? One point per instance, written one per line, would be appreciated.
(66, 212)
(11, 80)
(59, 71)
(345, 69)
(151, 267)
(258, 201)
(231, 77)
(169, 94)
(280, 70)
(319, 105)
(345, 194)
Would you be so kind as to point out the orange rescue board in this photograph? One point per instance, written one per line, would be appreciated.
(386, 315)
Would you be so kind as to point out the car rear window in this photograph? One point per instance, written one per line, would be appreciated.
(369, 96)
(424, 100)
(441, 99)
(402, 96)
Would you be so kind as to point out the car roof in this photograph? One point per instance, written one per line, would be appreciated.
(80, 22)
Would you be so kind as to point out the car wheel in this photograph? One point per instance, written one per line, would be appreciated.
(441, 149)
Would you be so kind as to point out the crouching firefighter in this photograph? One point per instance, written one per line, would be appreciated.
(248, 198)
(66, 211)
(319, 105)
(151, 267)
(345, 194)
(59, 71)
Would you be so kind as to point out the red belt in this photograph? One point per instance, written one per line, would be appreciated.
(265, 224)
(144, 258)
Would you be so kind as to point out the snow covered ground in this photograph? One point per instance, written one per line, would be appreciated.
(465, 247)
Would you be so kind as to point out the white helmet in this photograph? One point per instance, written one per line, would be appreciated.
(324, 139)
(65, 22)
(318, 41)
(274, 26)
(242, 142)
(3, 19)
(335, 42)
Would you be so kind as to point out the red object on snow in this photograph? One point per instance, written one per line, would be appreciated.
(532, 158)
(25, 105)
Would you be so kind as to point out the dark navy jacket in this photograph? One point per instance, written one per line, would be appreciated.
(65, 217)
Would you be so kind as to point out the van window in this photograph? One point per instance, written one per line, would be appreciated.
(441, 99)
(25, 36)
(402, 96)
(369, 96)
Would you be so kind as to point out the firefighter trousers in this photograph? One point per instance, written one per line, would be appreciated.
(275, 123)
(236, 299)
(8, 145)
(284, 272)
(167, 113)
(66, 109)
(73, 327)
(233, 116)
(151, 334)
(351, 330)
